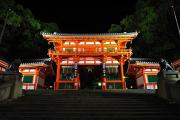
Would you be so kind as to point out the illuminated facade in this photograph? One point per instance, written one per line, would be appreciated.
(107, 50)
(176, 65)
(34, 72)
(3, 66)
(143, 72)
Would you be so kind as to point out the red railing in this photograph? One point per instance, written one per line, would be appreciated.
(123, 51)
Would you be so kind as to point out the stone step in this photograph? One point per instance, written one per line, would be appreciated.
(70, 116)
(88, 105)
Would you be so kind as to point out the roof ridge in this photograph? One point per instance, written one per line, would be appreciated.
(39, 60)
(87, 34)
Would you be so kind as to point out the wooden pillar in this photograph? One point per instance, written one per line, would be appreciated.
(122, 73)
(144, 78)
(21, 70)
(58, 74)
(78, 82)
(44, 78)
(104, 86)
(36, 78)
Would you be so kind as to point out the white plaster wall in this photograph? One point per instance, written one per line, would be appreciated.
(40, 81)
(140, 81)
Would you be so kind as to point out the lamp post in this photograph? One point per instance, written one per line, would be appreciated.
(4, 26)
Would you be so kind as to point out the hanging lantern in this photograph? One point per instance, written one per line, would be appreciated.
(75, 65)
(104, 68)
(75, 69)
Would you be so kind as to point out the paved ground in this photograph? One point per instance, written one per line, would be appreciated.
(89, 105)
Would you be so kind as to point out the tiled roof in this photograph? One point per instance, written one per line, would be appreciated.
(143, 61)
(176, 63)
(89, 34)
(36, 61)
(3, 64)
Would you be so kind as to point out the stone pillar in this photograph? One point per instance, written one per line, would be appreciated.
(169, 85)
(16, 79)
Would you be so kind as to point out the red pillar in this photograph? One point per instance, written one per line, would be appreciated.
(36, 78)
(144, 78)
(122, 74)
(76, 83)
(104, 83)
(57, 75)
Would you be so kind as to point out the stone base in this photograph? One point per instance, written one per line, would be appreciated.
(11, 86)
(169, 85)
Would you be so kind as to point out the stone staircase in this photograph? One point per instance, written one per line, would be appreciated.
(88, 105)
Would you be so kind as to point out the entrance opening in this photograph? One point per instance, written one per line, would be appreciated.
(49, 82)
(90, 77)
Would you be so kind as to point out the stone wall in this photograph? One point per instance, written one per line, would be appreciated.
(10, 85)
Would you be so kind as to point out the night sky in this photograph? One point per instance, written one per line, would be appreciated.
(80, 17)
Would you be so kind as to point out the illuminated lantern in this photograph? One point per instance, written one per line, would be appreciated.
(104, 69)
(75, 69)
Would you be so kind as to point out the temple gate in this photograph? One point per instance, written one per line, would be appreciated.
(73, 50)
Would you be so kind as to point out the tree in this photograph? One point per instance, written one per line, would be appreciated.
(22, 38)
(157, 37)
(115, 28)
(50, 27)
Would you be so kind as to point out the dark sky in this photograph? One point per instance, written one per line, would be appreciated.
(80, 17)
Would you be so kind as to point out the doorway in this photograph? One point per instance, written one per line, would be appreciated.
(90, 77)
